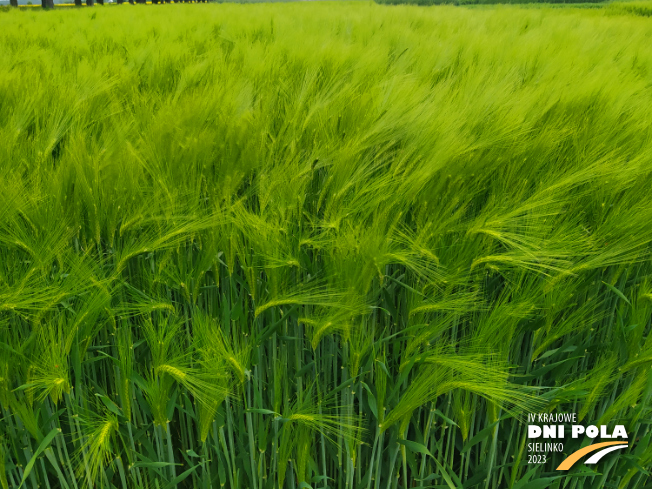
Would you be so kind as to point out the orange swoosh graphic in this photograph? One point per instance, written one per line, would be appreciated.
(575, 456)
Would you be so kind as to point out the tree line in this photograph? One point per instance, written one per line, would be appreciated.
(91, 3)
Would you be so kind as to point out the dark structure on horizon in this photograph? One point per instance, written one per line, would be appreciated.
(48, 4)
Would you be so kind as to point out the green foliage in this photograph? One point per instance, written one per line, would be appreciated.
(581, 3)
(643, 9)
(322, 244)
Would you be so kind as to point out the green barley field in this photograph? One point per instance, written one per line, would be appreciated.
(323, 245)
